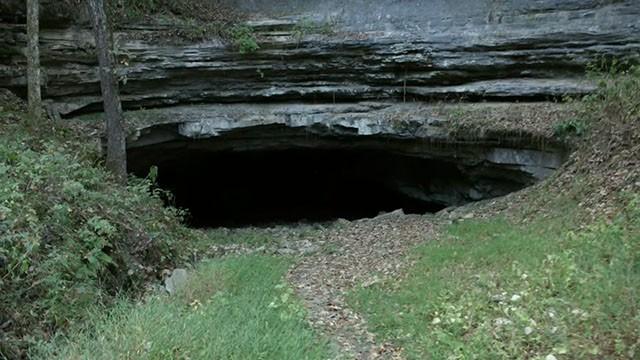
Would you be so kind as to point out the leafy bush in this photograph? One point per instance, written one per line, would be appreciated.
(244, 39)
(570, 127)
(70, 237)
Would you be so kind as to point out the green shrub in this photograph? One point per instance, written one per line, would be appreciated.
(70, 237)
(570, 127)
(244, 39)
(307, 26)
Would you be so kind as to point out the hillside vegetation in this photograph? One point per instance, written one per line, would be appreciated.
(237, 308)
(76, 248)
(555, 276)
(493, 289)
(70, 238)
(551, 272)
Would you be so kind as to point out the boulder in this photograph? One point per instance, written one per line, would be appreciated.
(176, 281)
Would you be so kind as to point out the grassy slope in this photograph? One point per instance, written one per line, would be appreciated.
(493, 289)
(543, 283)
(236, 308)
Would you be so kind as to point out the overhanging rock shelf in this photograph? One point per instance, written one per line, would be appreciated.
(277, 162)
(355, 90)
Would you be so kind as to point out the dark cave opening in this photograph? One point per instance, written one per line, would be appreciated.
(262, 188)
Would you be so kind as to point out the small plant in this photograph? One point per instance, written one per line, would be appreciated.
(617, 99)
(244, 39)
(307, 26)
(570, 127)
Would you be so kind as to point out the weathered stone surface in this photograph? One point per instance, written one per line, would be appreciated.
(361, 85)
(403, 51)
(445, 169)
(396, 120)
(176, 281)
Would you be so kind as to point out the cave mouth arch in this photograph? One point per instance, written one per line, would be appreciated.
(260, 178)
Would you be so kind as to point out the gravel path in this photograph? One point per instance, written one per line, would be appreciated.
(353, 254)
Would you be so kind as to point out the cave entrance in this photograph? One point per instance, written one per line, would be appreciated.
(261, 188)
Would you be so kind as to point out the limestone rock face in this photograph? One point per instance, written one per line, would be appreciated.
(422, 160)
(176, 281)
(338, 74)
(361, 50)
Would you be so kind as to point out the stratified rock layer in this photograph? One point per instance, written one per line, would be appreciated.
(355, 50)
(423, 159)
(336, 74)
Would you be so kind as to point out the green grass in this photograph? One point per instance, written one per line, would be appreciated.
(238, 308)
(494, 290)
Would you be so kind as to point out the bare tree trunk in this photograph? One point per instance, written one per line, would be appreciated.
(116, 140)
(33, 59)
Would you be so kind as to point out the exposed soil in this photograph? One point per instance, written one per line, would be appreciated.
(358, 253)
(334, 258)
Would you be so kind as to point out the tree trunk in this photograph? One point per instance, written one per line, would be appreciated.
(33, 59)
(116, 140)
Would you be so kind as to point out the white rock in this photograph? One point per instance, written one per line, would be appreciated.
(175, 281)
(395, 213)
(550, 357)
(469, 216)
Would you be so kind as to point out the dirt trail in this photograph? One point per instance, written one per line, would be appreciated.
(355, 253)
